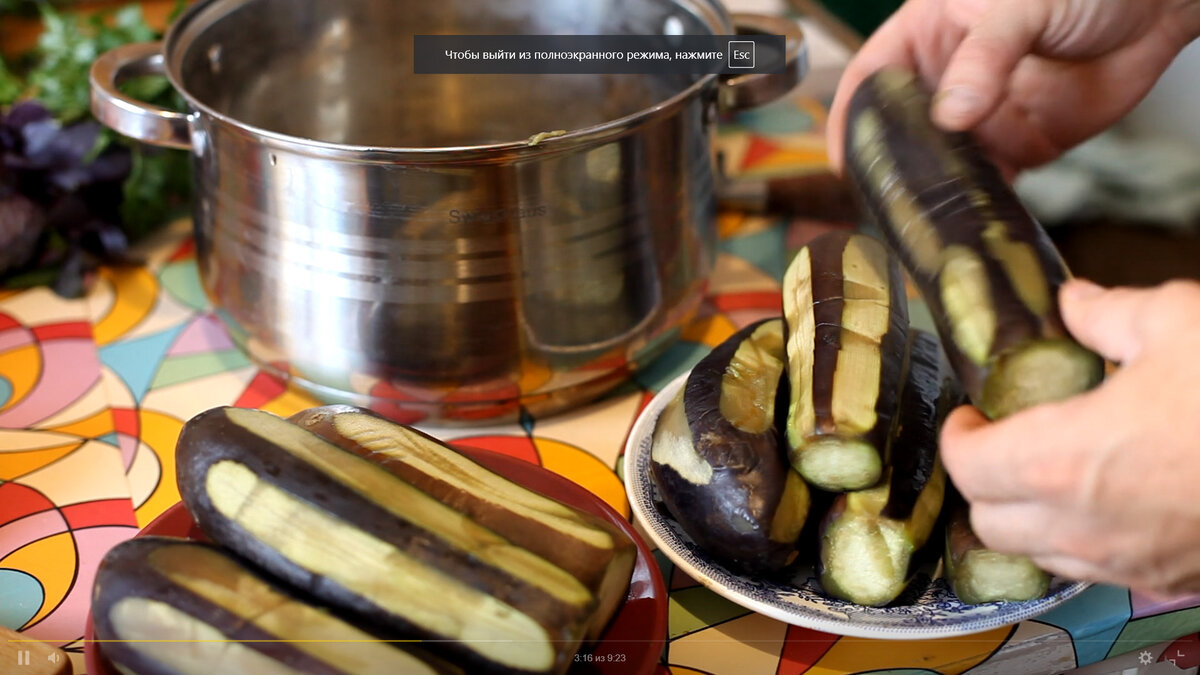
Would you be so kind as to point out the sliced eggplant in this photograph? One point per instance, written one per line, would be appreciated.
(178, 607)
(352, 535)
(987, 269)
(717, 461)
(869, 538)
(586, 546)
(978, 574)
(847, 325)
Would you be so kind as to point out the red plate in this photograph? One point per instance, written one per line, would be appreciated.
(634, 640)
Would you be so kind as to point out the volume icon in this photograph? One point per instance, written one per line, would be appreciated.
(54, 657)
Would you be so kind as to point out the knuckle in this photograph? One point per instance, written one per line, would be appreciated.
(1052, 479)
(1068, 568)
(1173, 299)
(1071, 543)
(1182, 289)
(989, 525)
(979, 51)
(1048, 474)
(1081, 537)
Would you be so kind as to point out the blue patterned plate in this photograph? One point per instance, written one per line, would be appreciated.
(929, 609)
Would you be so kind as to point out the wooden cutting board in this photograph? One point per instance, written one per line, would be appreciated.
(21, 656)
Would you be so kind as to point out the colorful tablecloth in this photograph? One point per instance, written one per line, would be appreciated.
(93, 393)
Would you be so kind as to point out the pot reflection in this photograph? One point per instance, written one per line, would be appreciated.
(392, 240)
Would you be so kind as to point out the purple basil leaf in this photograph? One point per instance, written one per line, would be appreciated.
(68, 215)
(113, 165)
(70, 280)
(70, 179)
(9, 138)
(20, 115)
(25, 112)
(21, 226)
(36, 139)
(105, 241)
(48, 146)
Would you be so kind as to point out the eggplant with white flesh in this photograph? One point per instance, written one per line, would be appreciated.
(166, 606)
(986, 268)
(847, 324)
(983, 264)
(978, 574)
(869, 538)
(592, 549)
(350, 534)
(717, 461)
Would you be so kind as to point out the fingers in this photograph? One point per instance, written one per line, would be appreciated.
(968, 49)
(889, 45)
(977, 76)
(1104, 320)
(1119, 322)
(1073, 568)
(976, 460)
(1035, 454)
(1018, 528)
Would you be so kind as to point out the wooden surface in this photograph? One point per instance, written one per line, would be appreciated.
(20, 655)
(1128, 254)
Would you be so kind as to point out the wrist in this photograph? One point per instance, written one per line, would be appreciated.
(1187, 18)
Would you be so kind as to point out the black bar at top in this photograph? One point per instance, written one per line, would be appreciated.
(598, 54)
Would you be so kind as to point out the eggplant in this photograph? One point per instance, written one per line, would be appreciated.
(354, 536)
(869, 538)
(177, 607)
(978, 574)
(847, 325)
(984, 265)
(717, 460)
(590, 548)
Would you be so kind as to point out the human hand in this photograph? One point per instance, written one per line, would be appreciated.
(1100, 486)
(1032, 77)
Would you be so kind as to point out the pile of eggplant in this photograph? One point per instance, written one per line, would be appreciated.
(347, 543)
(812, 438)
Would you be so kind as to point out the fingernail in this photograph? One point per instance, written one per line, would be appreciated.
(955, 106)
(1079, 290)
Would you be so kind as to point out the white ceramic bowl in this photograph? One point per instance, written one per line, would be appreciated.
(929, 609)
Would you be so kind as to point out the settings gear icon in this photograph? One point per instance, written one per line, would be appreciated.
(1145, 658)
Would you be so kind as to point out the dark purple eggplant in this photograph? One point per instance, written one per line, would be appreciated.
(847, 324)
(987, 269)
(978, 574)
(869, 538)
(587, 546)
(374, 546)
(164, 606)
(717, 460)
(984, 265)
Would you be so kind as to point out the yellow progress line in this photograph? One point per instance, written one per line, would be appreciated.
(241, 641)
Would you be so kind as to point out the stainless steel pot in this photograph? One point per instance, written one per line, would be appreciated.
(408, 242)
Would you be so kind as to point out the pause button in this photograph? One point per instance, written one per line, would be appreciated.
(23, 657)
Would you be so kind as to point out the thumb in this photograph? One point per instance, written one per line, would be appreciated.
(977, 75)
(1105, 320)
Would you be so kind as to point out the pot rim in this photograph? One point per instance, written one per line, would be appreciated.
(185, 26)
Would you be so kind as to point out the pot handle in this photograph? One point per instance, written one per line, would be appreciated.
(738, 92)
(129, 116)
